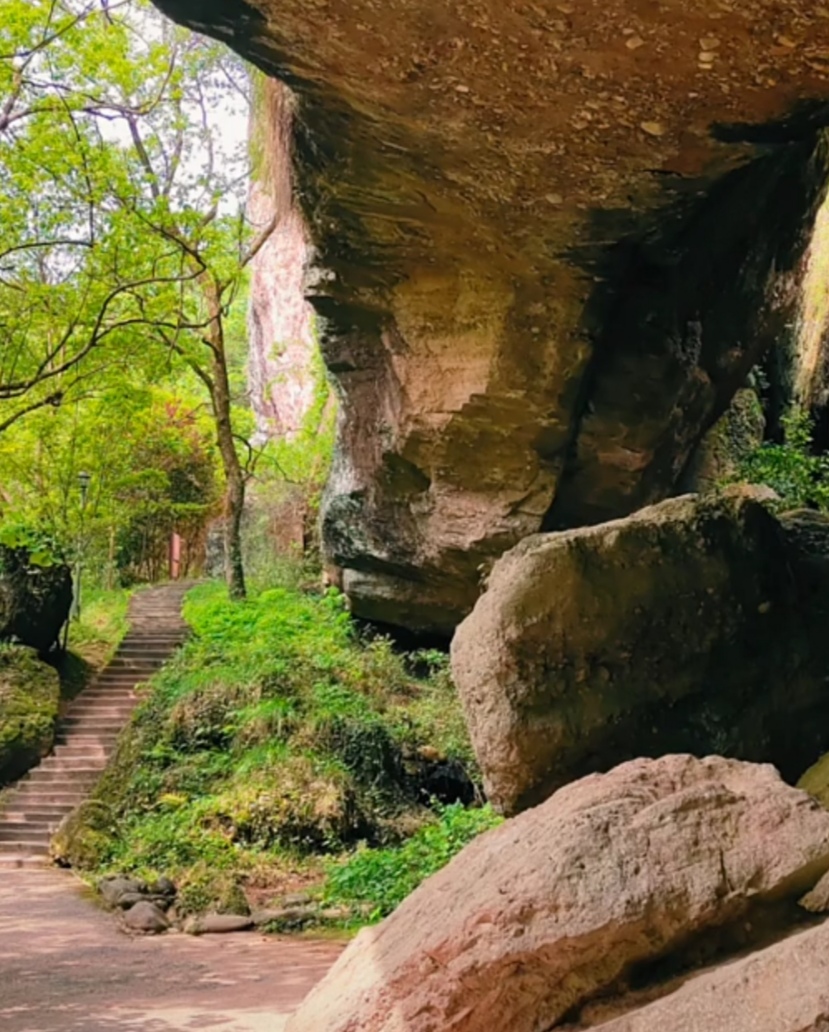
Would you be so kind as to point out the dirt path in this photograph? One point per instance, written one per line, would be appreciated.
(64, 967)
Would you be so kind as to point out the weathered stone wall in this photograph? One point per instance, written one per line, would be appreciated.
(555, 238)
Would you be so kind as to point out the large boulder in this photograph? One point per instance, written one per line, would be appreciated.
(674, 860)
(690, 626)
(29, 702)
(34, 599)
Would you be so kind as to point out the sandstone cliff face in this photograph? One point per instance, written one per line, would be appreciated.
(555, 237)
(281, 322)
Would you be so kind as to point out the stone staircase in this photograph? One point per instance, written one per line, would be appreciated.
(32, 808)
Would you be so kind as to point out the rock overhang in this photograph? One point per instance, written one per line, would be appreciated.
(513, 206)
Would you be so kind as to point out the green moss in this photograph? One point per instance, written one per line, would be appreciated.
(29, 701)
(816, 781)
(727, 446)
(204, 889)
(83, 837)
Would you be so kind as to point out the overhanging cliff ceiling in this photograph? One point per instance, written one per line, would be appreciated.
(556, 237)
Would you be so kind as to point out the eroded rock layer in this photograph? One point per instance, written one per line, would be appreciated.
(555, 237)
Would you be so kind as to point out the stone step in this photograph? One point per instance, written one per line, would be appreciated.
(38, 800)
(24, 841)
(102, 709)
(98, 708)
(103, 702)
(120, 698)
(20, 828)
(90, 726)
(82, 763)
(79, 753)
(48, 789)
(88, 734)
(125, 711)
(153, 641)
(111, 690)
(108, 695)
(139, 657)
(44, 776)
(90, 738)
(108, 679)
(148, 639)
(91, 723)
(135, 667)
(24, 861)
(106, 739)
(149, 652)
(152, 634)
(70, 772)
(33, 816)
(19, 814)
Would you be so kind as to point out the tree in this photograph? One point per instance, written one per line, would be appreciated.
(191, 199)
(152, 460)
(146, 241)
(69, 265)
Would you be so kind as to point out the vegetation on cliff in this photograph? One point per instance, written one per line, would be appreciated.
(791, 467)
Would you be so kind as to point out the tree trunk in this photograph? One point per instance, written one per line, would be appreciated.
(234, 477)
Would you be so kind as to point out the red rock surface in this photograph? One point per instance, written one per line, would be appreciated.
(536, 918)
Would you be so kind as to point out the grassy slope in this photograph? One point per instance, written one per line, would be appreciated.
(94, 638)
(273, 747)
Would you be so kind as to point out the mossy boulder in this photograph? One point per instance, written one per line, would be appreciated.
(729, 442)
(34, 599)
(207, 889)
(83, 836)
(29, 701)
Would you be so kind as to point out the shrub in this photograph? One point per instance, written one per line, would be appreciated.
(800, 477)
(382, 878)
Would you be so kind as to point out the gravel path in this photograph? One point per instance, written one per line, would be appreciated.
(65, 967)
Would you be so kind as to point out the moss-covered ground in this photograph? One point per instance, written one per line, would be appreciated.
(278, 750)
(29, 702)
